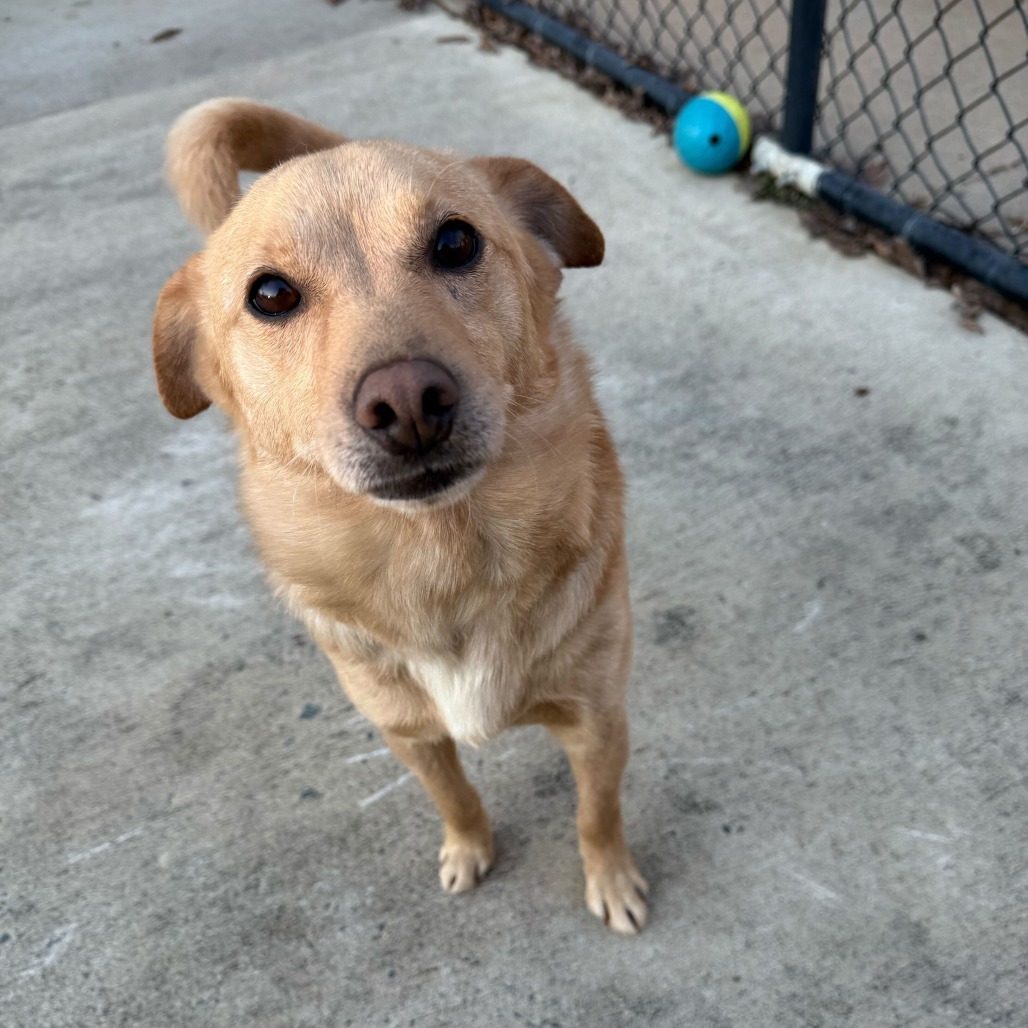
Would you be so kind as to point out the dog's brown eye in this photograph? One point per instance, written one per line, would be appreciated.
(456, 245)
(272, 294)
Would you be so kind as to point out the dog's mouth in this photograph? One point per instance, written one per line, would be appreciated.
(429, 485)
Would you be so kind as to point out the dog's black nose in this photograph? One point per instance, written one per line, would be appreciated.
(407, 406)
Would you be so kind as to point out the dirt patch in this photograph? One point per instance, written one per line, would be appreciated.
(494, 29)
(160, 37)
(854, 238)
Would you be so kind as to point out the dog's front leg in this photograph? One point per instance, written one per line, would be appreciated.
(597, 747)
(467, 852)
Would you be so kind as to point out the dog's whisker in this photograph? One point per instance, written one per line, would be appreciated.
(520, 406)
(442, 171)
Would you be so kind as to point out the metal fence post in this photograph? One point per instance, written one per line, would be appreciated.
(806, 30)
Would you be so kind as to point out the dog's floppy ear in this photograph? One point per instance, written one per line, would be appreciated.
(212, 142)
(544, 207)
(176, 330)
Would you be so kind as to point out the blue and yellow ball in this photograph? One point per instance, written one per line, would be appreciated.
(712, 133)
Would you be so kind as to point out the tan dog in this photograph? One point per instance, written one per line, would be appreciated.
(426, 471)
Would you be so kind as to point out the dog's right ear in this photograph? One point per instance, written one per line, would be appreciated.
(176, 331)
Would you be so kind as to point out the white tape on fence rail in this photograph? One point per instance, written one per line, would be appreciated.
(788, 169)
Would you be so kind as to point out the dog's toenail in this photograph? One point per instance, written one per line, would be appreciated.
(606, 914)
(631, 917)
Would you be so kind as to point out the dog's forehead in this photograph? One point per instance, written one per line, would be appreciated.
(360, 209)
(369, 187)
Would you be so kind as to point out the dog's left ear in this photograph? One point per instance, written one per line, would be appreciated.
(176, 332)
(544, 207)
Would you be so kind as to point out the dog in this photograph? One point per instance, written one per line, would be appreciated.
(429, 480)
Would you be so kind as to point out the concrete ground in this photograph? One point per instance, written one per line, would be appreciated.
(828, 542)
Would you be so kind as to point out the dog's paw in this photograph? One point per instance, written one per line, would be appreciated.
(463, 863)
(617, 896)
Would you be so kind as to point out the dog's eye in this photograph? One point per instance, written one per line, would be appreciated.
(456, 245)
(273, 295)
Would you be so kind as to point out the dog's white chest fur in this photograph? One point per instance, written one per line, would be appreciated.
(466, 692)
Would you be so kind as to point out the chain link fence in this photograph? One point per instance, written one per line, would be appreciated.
(925, 100)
